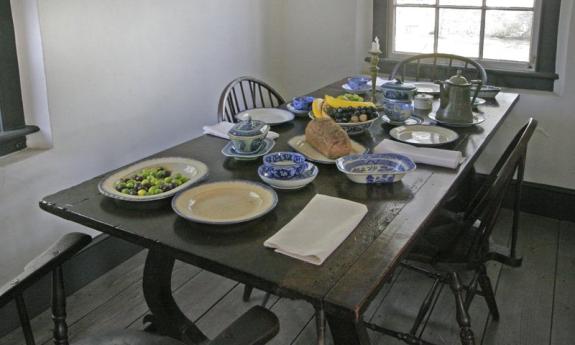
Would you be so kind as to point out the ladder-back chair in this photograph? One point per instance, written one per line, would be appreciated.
(255, 327)
(431, 67)
(457, 243)
(246, 93)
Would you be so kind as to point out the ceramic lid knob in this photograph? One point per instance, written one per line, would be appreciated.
(459, 79)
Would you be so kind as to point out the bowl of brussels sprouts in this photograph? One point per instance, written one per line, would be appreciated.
(153, 179)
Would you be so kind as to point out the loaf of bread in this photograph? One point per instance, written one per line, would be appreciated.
(328, 138)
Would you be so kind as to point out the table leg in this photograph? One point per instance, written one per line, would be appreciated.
(347, 332)
(167, 318)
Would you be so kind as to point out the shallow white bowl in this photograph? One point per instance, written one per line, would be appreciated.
(375, 168)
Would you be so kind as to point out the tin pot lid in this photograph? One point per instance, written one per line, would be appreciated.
(247, 128)
(399, 85)
(459, 79)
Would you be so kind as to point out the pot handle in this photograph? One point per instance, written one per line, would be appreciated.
(479, 84)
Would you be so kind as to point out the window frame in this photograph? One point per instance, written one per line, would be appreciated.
(13, 128)
(545, 29)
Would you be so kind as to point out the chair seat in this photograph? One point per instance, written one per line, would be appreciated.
(128, 337)
(447, 240)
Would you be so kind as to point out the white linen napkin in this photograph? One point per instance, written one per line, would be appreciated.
(323, 224)
(221, 130)
(443, 158)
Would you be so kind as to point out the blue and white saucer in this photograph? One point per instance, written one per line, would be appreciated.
(300, 181)
(229, 151)
(359, 91)
(295, 111)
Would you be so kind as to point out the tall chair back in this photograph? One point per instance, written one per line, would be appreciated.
(246, 93)
(437, 66)
(487, 203)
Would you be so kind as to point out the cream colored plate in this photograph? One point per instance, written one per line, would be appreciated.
(299, 144)
(227, 202)
(191, 168)
(424, 135)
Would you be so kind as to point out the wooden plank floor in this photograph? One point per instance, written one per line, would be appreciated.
(536, 301)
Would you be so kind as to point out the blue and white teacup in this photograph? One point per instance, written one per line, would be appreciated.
(302, 103)
(248, 136)
(284, 165)
(358, 82)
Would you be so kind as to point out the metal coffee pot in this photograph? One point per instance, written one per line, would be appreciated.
(455, 104)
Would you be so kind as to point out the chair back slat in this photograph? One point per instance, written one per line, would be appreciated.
(488, 201)
(246, 93)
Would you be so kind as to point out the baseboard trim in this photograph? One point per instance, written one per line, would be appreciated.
(544, 200)
(103, 254)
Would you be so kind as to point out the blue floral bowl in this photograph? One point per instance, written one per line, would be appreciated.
(302, 103)
(284, 165)
(374, 168)
(358, 82)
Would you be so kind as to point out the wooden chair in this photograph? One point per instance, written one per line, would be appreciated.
(256, 327)
(432, 67)
(460, 242)
(246, 93)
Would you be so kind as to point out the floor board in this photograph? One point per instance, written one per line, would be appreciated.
(563, 330)
(536, 301)
(526, 293)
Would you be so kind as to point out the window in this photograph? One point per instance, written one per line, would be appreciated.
(515, 40)
(13, 129)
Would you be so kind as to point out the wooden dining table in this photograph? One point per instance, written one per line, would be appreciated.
(342, 286)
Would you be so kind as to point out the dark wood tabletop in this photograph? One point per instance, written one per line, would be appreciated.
(350, 277)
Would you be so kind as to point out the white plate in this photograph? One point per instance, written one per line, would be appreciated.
(227, 202)
(191, 168)
(299, 144)
(477, 119)
(378, 82)
(271, 116)
(426, 87)
(424, 135)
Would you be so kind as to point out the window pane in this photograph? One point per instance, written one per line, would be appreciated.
(459, 32)
(508, 35)
(510, 3)
(461, 2)
(419, 2)
(414, 29)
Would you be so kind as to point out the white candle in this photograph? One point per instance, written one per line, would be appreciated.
(375, 45)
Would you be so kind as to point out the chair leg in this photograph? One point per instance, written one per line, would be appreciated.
(247, 293)
(320, 325)
(487, 290)
(463, 319)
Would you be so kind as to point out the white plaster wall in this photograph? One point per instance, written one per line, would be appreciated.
(125, 79)
(551, 155)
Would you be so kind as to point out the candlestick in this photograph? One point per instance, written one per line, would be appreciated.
(374, 68)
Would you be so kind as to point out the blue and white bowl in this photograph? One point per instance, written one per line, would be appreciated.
(371, 168)
(358, 82)
(284, 165)
(300, 181)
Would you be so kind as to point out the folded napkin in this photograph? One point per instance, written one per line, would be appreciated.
(221, 130)
(443, 158)
(323, 224)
